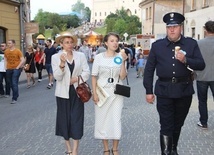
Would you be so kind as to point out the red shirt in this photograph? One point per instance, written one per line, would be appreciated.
(38, 56)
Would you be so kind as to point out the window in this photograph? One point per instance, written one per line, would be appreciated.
(147, 14)
(100, 13)
(193, 5)
(95, 14)
(193, 32)
(105, 13)
(150, 12)
(2, 35)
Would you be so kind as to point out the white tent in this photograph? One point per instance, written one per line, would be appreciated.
(91, 33)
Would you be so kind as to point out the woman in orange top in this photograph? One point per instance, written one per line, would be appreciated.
(39, 61)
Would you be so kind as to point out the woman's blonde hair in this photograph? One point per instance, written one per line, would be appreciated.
(30, 47)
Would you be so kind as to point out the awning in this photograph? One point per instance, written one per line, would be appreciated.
(91, 33)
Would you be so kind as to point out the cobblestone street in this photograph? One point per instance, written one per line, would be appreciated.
(28, 127)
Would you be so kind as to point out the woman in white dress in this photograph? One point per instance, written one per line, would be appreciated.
(107, 68)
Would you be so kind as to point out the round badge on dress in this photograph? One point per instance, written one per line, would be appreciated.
(118, 60)
(110, 80)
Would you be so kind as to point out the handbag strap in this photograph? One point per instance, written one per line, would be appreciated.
(31, 59)
(127, 81)
(80, 77)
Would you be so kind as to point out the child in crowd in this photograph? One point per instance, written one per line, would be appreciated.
(140, 65)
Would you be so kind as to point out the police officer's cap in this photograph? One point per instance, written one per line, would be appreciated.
(173, 19)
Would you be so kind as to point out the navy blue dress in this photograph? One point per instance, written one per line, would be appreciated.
(70, 114)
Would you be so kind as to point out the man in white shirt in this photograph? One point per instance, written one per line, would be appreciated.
(3, 92)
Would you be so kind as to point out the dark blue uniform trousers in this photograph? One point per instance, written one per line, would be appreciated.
(172, 113)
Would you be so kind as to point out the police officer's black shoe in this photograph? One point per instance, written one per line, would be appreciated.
(176, 136)
(166, 144)
(174, 152)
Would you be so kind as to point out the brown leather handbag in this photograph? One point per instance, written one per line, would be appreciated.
(27, 66)
(83, 90)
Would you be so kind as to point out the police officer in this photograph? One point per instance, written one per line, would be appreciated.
(173, 58)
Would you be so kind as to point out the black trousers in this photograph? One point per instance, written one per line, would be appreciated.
(172, 113)
(39, 68)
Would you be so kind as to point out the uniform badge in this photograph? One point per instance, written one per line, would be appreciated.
(171, 16)
(118, 60)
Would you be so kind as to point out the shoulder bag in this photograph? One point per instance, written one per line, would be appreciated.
(83, 90)
(122, 89)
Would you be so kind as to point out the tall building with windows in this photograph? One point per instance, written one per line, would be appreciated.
(153, 12)
(13, 15)
(102, 8)
(197, 13)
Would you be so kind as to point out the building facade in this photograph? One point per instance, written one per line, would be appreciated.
(102, 8)
(152, 15)
(197, 13)
(13, 15)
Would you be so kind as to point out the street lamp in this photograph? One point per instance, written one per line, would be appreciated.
(125, 35)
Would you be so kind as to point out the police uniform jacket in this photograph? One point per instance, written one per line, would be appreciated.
(162, 59)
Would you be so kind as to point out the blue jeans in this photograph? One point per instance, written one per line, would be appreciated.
(49, 69)
(3, 91)
(12, 76)
(202, 91)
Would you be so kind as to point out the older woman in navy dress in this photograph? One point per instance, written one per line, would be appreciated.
(67, 66)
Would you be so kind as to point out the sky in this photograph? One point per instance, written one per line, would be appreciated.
(54, 6)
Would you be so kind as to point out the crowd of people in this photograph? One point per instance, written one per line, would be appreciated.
(174, 58)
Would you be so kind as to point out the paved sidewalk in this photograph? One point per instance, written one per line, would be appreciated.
(23, 78)
(28, 127)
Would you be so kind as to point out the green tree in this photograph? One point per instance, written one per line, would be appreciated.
(87, 14)
(120, 27)
(41, 28)
(55, 32)
(132, 28)
(42, 17)
(110, 24)
(71, 21)
(84, 11)
(121, 23)
(122, 13)
(78, 7)
(54, 19)
(111, 15)
(49, 20)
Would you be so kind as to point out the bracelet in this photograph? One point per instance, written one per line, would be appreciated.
(61, 66)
